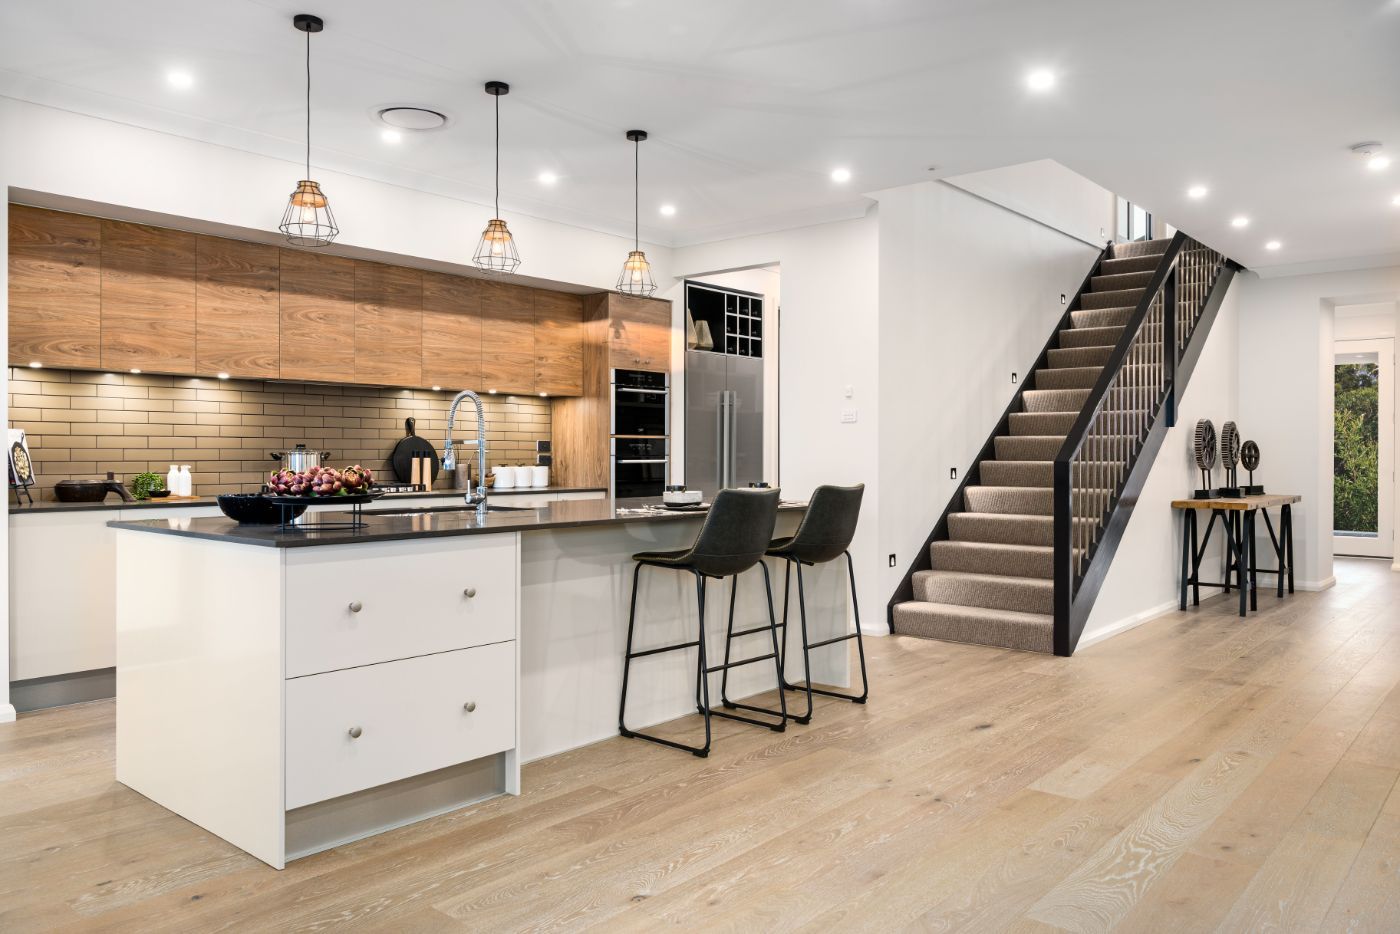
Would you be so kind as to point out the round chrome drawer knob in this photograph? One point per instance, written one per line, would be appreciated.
(469, 706)
(356, 606)
(355, 732)
(469, 592)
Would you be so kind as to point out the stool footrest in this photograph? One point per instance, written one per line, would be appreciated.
(746, 661)
(754, 631)
(857, 698)
(816, 645)
(775, 727)
(664, 648)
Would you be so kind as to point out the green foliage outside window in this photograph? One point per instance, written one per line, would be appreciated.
(1356, 456)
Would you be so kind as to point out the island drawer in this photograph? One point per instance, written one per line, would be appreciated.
(356, 605)
(355, 729)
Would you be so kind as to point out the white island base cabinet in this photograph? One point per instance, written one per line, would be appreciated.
(316, 695)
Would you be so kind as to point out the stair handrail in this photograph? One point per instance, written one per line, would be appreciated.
(1102, 447)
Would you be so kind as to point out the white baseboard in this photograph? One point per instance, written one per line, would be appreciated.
(1323, 584)
(1123, 625)
(7, 713)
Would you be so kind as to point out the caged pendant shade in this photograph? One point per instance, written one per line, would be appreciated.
(496, 251)
(635, 278)
(308, 220)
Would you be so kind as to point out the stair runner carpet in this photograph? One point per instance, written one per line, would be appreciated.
(991, 580)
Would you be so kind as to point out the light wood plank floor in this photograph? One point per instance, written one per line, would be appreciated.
(1198, 773)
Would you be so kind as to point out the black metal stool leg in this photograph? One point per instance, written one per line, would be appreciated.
(728, 643)
(787, 582)
(860, 640)
(781, 713)
(627, 658)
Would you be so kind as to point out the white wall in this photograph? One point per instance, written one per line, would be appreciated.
(1049, 193)
(1286, 358)
(1144, 579)
(969, 293)
(828, 341)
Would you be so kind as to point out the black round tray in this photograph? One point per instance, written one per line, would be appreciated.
(349, 499)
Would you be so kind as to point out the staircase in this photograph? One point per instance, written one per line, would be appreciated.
(1018, 556)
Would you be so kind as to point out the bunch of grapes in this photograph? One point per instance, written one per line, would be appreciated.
(320, 481)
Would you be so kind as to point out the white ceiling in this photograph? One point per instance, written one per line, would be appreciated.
(751, 103)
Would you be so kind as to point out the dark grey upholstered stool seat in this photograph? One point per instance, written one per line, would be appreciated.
(733, 539)
(824, 535)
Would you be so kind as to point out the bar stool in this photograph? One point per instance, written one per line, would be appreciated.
(824, 535)
(732, 540)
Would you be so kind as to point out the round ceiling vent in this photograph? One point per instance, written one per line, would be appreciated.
(412, 118)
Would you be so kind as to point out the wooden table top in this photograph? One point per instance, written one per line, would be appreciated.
(1266, 501)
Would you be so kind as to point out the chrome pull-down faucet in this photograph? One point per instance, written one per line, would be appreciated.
(449, 455)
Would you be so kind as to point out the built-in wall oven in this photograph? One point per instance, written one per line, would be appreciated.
(641, 430)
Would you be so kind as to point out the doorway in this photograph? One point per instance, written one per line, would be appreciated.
(1363, 452)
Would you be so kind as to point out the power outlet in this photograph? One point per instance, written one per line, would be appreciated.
(892, 561)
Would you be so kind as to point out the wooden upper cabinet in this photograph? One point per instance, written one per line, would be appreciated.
(388, 324)
(55, 288)
(237, 319)
(639, 333)
(558, 343)
(148, 298)
(318, 317)
(451, 331)
(507, 338)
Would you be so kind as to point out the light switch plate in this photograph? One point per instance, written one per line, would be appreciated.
(849, 416)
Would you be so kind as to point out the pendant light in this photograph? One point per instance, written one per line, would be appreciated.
(308, 220)
(496, 251)
(636, 271)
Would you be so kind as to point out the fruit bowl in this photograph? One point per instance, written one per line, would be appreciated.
(256, 509)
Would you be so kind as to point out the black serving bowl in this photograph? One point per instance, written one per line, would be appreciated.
(256, 509)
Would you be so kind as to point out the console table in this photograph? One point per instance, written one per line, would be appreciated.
(1237, 517)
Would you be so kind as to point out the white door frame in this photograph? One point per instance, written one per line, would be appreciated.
(1383, 544)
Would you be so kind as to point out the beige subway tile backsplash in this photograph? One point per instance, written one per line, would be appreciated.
(81, 425)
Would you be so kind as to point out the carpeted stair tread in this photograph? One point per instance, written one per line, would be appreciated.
(1002, 528)
(1090, 337)
(1076, 377)
(1054, 400)
(1115, 299)
(1031, 632)
(1020, 501)
(993, 558)
(1062, 357)
(1109, 282)
(991, 591)
(1122, 264)
(1101, 317)
(1141, 248)
(1023, 424)
(1017, 473)
(1028, 447)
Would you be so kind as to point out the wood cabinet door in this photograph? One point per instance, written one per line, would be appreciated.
(558, 343)
(55, 288)
(451, 331)
(318, 317)
(507, 338)
(388, 324)
(639, 333)
(148, 303)
(237, 319)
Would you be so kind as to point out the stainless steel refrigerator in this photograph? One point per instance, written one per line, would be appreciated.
(723, 421)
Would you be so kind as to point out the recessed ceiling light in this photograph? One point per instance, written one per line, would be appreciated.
(437, 389)
(135, 371)
(1378, 163)
(222, 375)
(548, 178)
(1395, 201)
(841, 175)
(180, 80)
(390, 135)
(1040, 80)
(1240, 221)
(1272, 245)
(1197, 192)
(490, 392)
(412, 118)
(668, 210)
(544, 395)
(36, 365)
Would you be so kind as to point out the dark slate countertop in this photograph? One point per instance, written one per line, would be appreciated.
(409, 523)
(113, 503)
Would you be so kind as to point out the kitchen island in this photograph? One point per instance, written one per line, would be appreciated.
(293, 690)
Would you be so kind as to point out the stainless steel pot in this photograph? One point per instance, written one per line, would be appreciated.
(299, 459)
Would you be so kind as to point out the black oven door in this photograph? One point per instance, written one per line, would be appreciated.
(639, 467)
(640, 403)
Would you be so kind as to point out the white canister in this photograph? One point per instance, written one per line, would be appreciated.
(505, 477)
(186, 482)
(539, 476)
(172, 480)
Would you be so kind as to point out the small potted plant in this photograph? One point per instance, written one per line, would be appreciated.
(145, 484)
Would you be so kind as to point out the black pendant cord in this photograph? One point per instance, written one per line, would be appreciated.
(308, 103)
(637, 194)
(498, 156)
